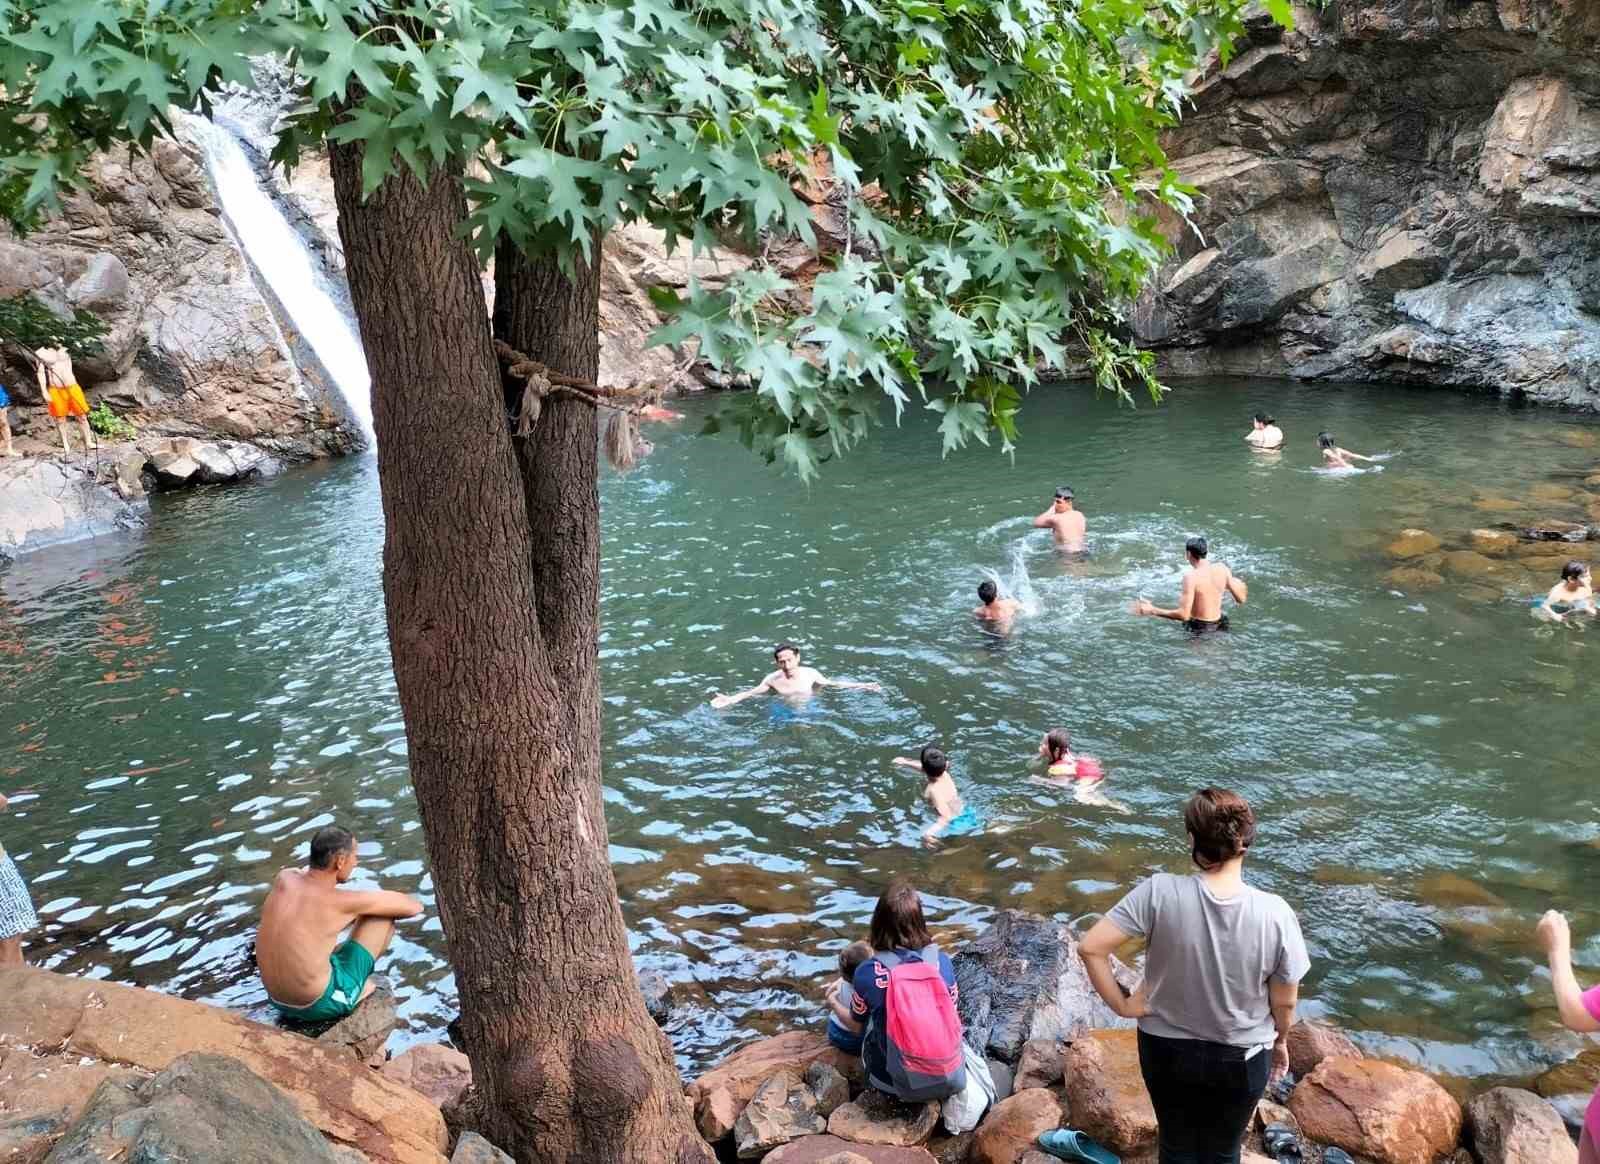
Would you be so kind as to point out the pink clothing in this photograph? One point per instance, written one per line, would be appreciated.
(1591, 1117)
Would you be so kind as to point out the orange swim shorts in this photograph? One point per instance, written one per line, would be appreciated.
(68, 401)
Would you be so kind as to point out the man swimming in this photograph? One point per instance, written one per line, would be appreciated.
(994, 609)
(790, 679)
(1064, 521)
(1264, 433)
(309, 974)
(939, 791)
(1335, 457)
(1200, 600)
(1574, 593)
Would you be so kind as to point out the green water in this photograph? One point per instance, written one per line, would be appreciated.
(190, 702)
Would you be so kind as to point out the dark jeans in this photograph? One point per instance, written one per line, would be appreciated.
(1203, 1094)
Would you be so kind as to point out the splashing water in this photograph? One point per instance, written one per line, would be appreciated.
(1019, 584)
(280, 257)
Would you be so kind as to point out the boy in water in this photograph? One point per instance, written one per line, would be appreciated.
(941, 795)
(1063, 521)
(844, 1028)
(1336, 458)
(994, 609)
(1574, 593)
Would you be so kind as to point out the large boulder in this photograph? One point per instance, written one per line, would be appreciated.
(439, 1072)
(1014, 1125)
(719, 1096)
(1312, 1042)
(41, 1094)
(46, 502)
(104, 1023)
(1106, 1093)
(876, 1118)
(827, 1150)
(1512, 1126)
(202, 1109)
(1022, 979)
(1377, 1111)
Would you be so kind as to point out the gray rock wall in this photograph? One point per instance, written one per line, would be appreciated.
(1395, 190)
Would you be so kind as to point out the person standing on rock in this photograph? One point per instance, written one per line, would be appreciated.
(1580, 1011)
(16, 907)
(309, 974)
(5, 424)
(1223, 963)
(62, 395)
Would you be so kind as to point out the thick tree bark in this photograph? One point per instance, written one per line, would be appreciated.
(491, 575)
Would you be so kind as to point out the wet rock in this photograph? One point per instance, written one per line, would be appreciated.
(366, 1030)
(202, 1109)
(1013, 1126)
(1413, 578)
(1451, 890)
(1512, 1126)
(1105, 1090)
(472, 1148)
(720, 1094)
(1022, 979)
(782, 1109)
(1498, 505)
(1312, 1042)
(179, 462)
(104, 1023)
(1555, 531)
(1493, 541)
(1572, 1109)
(818, 1149)
(45, 502)
(1377, 1111)
(1412, 543)
(1468, 564)
(876, 1118)
(1577, 1076)
(829, 1089)
(1039, 1066)
(441, 1073)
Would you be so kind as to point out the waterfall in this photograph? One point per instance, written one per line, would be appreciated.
(280, 257)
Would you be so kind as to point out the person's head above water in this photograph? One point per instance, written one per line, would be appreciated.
(1064, 497)
(787, 656)
(934, 762)
(1196, 548)
(333, 848)
(852, 956)
(1574, 571)
(1221, 827)
(1325, 440)
(1260, 420)
(1057, 743)
(897, 922)
(987, 591)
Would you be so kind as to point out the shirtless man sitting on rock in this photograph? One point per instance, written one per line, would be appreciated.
(310, 975)
(1199, 606)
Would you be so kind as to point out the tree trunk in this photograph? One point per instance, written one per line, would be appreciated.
(491, 572)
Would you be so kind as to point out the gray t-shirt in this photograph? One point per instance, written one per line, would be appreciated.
(1209, 959)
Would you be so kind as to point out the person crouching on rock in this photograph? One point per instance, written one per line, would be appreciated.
(844, 1028)
(1221, 978)
(310, 975)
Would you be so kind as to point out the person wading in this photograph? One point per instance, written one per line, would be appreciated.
(1223, 964)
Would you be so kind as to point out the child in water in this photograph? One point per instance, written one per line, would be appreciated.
(1056, 747)
(844, 1029)
(941, 795)
(1336, 458)
(1574, 593)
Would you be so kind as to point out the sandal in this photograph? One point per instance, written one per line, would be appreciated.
(1070, 1145)
(1282, 1144)
(1336, 1156)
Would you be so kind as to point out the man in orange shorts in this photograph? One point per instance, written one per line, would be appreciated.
(63, 396)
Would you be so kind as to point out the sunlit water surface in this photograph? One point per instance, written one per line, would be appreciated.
(191, 702)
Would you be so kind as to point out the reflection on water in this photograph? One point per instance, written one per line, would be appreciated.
(191, 703)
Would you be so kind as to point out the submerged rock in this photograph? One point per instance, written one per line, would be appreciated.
(1022, 979)
(1412, 543)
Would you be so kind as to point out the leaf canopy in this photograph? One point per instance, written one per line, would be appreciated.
(991, 156)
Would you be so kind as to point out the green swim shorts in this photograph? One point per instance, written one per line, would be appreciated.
(351, 966)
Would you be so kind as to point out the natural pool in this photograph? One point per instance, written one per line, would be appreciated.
(190, 702)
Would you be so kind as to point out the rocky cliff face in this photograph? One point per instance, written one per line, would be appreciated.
(1395, 190)
(193, 348)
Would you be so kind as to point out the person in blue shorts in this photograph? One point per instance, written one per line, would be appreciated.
(952, 818)
(5, 424)
(310, 975)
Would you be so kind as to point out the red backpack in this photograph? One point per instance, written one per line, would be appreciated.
(922, 1031)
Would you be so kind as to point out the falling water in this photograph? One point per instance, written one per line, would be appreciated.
(281, 258)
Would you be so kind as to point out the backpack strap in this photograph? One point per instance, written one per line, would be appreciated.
(889, 959)
(930, 953)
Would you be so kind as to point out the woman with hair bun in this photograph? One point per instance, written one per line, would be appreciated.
(1223, 963)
